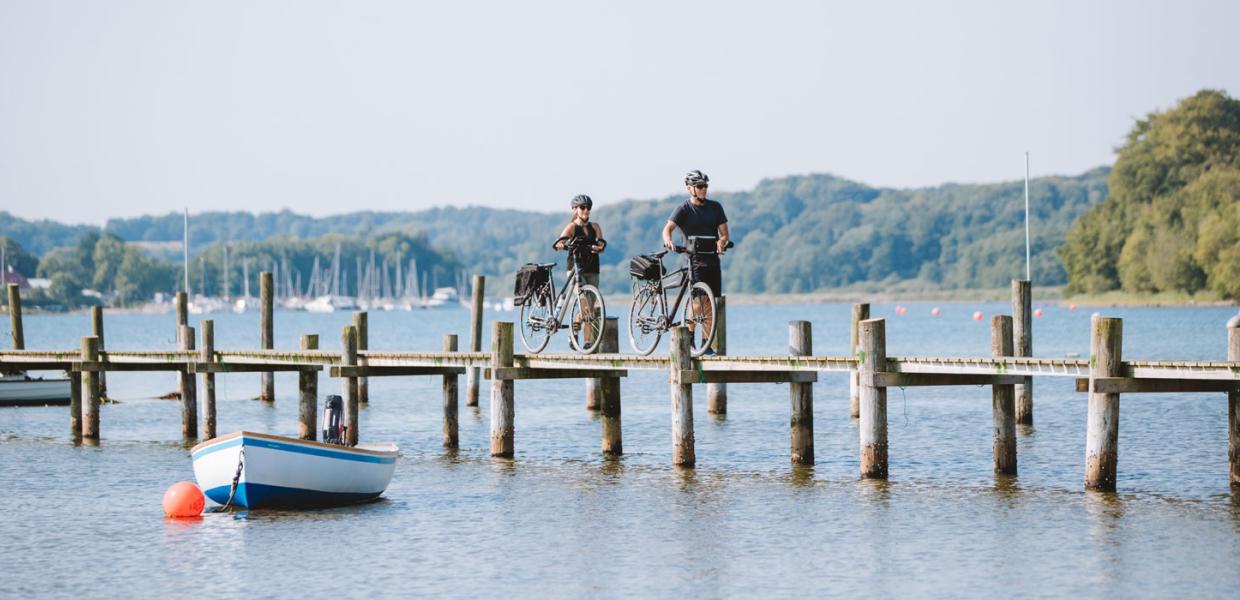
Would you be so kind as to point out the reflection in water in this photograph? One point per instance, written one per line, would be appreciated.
(1106, 511)
(802, 476)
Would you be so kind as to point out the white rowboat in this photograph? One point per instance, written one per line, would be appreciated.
(22, 390)
(277, 471)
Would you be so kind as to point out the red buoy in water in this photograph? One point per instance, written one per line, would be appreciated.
(977, 315)
(1037, 312)
(183, 499)
(934, 312)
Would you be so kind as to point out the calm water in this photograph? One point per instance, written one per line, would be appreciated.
(561, 521)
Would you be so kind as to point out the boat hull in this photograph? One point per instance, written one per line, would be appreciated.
(20, 390)
(282, 472)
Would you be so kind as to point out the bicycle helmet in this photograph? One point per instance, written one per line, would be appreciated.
(581, 200)
(695, 177)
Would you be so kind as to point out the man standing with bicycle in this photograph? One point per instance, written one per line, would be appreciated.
(700, 216)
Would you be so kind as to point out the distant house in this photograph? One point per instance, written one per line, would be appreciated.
(11, 276)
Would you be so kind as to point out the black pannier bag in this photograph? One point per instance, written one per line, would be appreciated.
(703, 244)
(529, 278)
(646, 266)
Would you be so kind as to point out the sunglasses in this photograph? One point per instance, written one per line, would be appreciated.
(700, 186)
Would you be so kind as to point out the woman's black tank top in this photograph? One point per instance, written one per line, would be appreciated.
(583, 256)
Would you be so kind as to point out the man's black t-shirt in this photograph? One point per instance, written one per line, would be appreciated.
(699, 220)
(705, 219)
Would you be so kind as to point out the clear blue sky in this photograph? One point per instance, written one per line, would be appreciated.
(124, 108)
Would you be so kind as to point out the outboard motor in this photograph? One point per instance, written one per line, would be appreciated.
(333, 420)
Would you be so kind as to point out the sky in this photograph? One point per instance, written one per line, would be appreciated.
(125, 108)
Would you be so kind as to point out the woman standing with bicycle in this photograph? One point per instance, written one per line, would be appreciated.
(585, 255)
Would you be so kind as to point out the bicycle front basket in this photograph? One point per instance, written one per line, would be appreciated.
(646, 267)
(529, 278)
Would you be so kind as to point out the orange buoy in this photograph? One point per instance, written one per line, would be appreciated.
(1037, 312)
(183, 499)
(1071, 307)
(934, 312)
(977, 315)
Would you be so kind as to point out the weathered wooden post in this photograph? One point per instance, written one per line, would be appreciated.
(182, 305)
(208, 380)
(308, 394)
(872, 359)
(451, 438)
(75, 403)
(717, 393)
(1102, 427)
(800, 343)
(475, 340)
(1233, 404)
(96, 323)
(502, 409)
(596, 386)
(360, 321)
(683, 453)
(189, 390)
(1022, 334)
(15, 317)
(90, 391)
(860, 312)
(1003, 400)
(348, 358)
(266, 305)
(609, 417)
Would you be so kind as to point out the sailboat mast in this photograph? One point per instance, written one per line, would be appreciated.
(1028, 275)
(185, 248)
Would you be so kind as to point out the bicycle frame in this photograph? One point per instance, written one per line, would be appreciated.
(558, 303)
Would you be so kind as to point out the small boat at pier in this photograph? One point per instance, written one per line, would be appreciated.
(20, 389)
(275, 471)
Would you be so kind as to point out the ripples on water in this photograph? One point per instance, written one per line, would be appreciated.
(559, 520)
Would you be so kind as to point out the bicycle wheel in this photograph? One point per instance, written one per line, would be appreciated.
(645, 320)
(699, 317)
(588, 317)
(537, 321)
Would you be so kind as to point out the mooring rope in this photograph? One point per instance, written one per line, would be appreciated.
(236, 477)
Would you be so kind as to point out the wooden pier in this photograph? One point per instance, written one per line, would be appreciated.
(1008, 368)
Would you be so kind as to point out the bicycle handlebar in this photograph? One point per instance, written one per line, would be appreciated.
(572, 243)
(684, 250)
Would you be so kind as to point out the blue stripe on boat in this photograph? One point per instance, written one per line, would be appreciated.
(297, 448)
(256, 495)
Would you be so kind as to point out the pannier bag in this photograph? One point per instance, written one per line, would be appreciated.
(646, 266)
(703, 244)
(529, 279)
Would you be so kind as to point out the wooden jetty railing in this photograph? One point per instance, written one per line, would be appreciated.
(1103, 377)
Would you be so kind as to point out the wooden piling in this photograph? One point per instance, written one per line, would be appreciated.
(89, 391)
(75, 403)
(502, 409)
(208, 380)
(872, 358)
(451, 437)
(475, 340)
(308, 395)
(801, 424)
(189, 391)
(683, 454)
(596, 386)
(348, 358)
(1233, 406)
(860, 312)
(717, 393)
(266, 303)
(1003, 400)
(182, 305)
(360, 321)
(1102, 426)
(1022, 334)
(15, 316)
(96, 325)
(609, 417)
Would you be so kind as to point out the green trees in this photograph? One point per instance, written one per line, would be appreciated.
(1171, 221)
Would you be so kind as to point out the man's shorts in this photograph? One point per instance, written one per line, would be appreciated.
(711, 275)
(589, 279)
